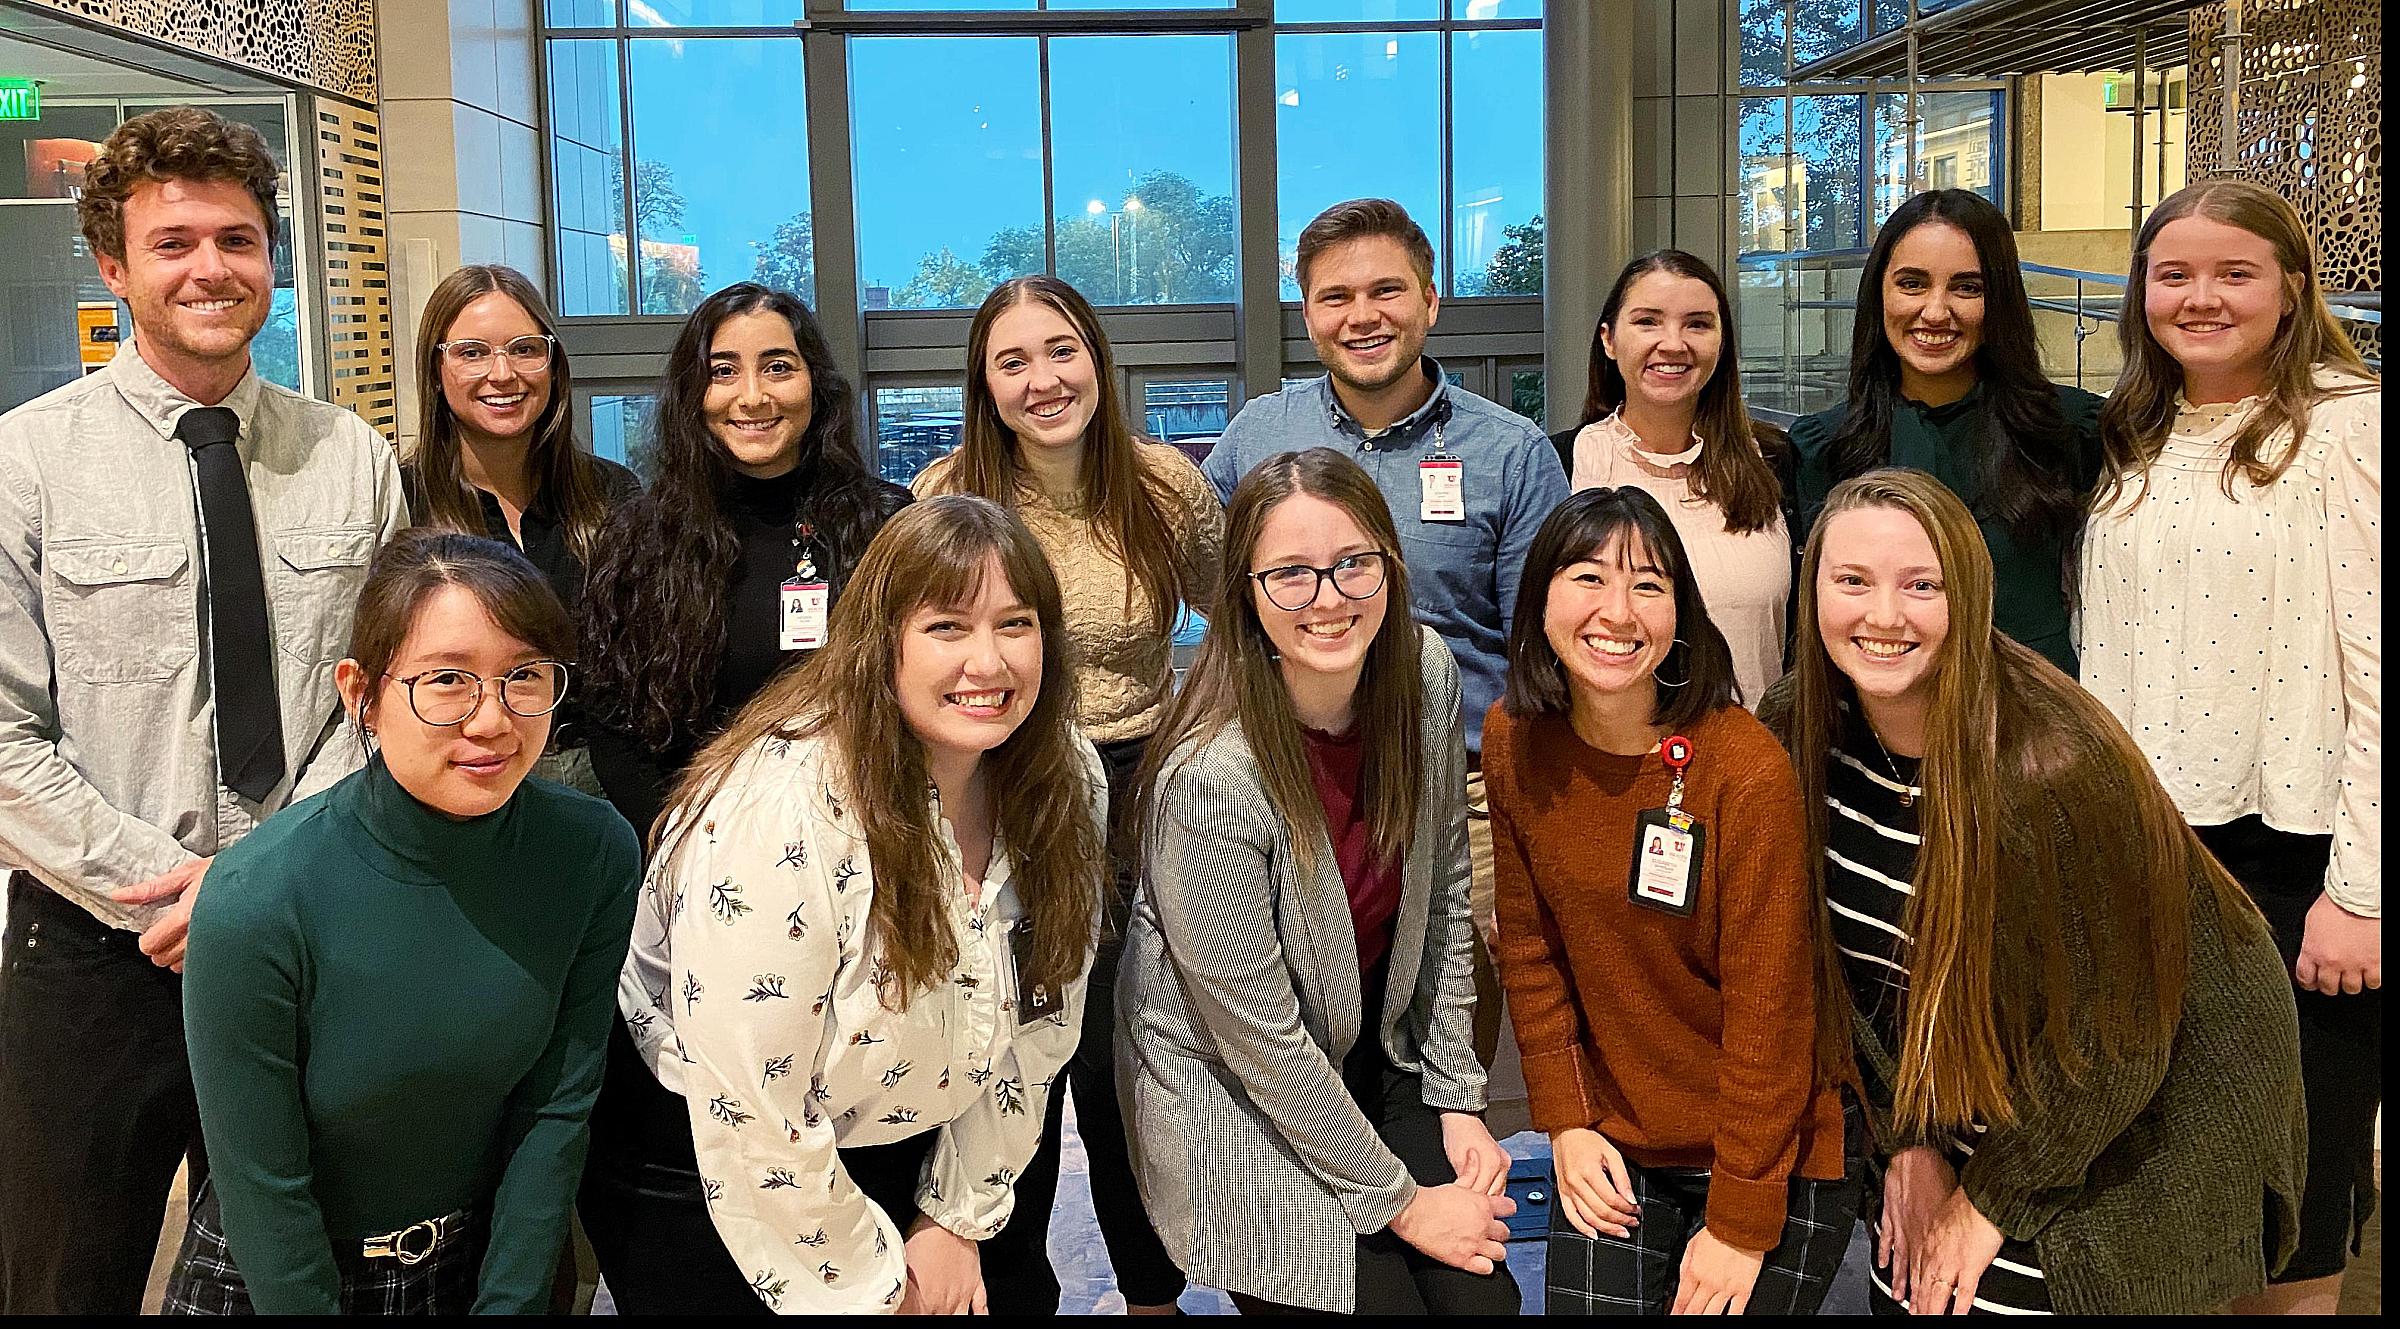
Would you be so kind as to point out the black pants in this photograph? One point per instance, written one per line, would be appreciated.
(96, 1109)
(643, 1209)
(2341, 1045)
(1017, 1274)
(1395, 1278)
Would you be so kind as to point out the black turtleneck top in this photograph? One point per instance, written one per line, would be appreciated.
(766, 515)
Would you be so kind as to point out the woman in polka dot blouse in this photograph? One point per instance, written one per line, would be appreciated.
(2229, 618)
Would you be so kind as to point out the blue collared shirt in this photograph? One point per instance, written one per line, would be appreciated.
(1462, 574)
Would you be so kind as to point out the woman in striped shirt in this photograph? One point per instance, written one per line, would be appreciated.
(2076, 1045)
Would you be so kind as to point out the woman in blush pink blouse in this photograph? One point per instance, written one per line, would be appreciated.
(1664, 414)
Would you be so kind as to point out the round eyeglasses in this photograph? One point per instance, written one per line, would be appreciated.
(529, 354)
(445, 697)
(1294, 587)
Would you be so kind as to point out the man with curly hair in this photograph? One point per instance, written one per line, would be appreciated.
(180, 546)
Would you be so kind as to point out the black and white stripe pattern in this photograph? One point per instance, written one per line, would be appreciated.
(1870, 856)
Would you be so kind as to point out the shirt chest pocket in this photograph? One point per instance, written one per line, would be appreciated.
(317, 575)
(123, 611)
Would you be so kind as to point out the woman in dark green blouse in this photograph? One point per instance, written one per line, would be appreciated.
(400, 990)
(1946, 377)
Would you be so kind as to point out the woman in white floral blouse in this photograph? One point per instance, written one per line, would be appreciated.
(861, 958)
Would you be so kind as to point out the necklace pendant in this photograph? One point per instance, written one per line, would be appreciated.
(1908, 798)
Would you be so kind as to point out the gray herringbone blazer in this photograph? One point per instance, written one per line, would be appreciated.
(1238, 998)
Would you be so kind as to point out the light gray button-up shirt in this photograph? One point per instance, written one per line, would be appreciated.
(108, 754)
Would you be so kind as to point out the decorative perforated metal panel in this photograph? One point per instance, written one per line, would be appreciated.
(2310, 124)
(327, 44)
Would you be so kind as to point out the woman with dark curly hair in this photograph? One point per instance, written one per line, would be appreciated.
(725, 571)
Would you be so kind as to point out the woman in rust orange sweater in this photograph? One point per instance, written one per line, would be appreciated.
(1657, 940)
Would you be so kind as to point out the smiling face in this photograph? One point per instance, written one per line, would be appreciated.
(1368, 312)
(1042, 374)
(1329, 636)
(1666, 339)
(1882, 606)
(197, 273)
(968, 675)
(505, 403)
(2215, 296)
(759, 399)
(1610, 618)
(1933, 311)
(460, 770)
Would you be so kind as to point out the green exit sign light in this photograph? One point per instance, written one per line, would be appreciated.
(20, 99)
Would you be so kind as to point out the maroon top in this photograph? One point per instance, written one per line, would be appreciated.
(1334, 766)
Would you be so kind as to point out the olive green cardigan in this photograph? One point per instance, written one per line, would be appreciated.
(2147, 1183)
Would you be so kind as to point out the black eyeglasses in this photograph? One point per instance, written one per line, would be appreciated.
(1294, 586)
(445, 697)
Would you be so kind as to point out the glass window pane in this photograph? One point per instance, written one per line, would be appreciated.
(54, 150)
(923, 6)
(1958, 146)
(1766, 212)
(702, 225)
(1525, 394)
(1890, 14)
(580, 13)
(1496, 163)
(1177, 410)
(1494, 9)
(1821, 27)
(1142, 140)
(621, 430)
(1828, 132)
(948, 133)
(914, 427)
(1355, 11)
(1762, 43)
(1329, 89)
(1138, 4)
(714, 13)
(587, 177)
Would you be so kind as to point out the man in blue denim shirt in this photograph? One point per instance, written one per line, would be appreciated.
(1366, 283)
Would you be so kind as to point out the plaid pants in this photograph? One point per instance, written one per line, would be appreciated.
(206, 1282)
(1638, 1275)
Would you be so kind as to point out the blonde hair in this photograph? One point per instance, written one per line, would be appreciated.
(2141, 408)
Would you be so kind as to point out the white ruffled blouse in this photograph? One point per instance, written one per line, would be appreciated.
(2239, 637)
(751, 989)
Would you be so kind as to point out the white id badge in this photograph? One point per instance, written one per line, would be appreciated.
(1442, 490)
(1666, 863)
(803, 616)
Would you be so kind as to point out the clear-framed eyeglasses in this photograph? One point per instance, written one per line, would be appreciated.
(445, 697)
(1294, 587)
(529, 354)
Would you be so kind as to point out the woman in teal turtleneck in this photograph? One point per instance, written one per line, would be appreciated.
(1946, 377)
(400, 990)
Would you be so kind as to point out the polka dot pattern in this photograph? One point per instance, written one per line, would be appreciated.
(2237, 637)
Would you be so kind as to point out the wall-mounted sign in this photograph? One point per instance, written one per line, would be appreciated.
(20, 99)
(96, 332)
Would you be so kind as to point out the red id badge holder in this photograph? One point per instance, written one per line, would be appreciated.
(1669, 845)
(1441, 484)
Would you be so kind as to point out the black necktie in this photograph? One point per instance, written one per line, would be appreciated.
(249, 723)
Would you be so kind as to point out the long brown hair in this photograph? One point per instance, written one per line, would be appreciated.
(1989, 970)
(2141, 408)
(933, 553)
(568, 477)
(1733, 472)
(1235, 678)
(1128, 509)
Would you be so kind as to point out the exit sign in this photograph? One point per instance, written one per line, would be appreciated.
(20, 99)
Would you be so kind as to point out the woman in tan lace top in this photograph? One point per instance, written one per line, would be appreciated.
(1133, 532)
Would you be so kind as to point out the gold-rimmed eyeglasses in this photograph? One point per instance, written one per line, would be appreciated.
(445, 697)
